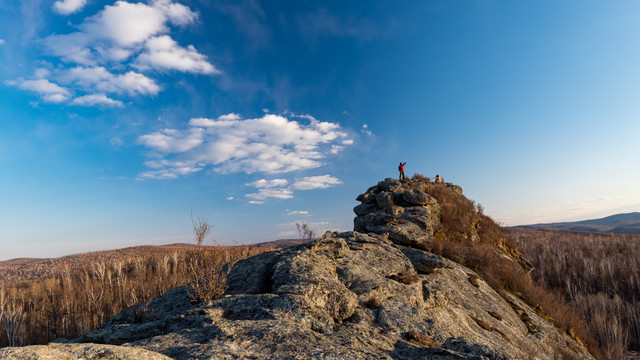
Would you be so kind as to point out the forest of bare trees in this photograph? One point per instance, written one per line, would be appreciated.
(597, 274)
(76, 299)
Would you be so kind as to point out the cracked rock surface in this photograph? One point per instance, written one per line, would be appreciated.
(347, 296)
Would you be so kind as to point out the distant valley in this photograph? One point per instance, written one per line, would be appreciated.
(616, 224)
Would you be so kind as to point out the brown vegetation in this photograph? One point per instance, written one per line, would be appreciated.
(374, 301)
(79, 298)
(473, 239)
(598, 274)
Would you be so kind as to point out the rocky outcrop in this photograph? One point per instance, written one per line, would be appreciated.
(400, 209)
(79, 351)
(374, 293)
(347, 296)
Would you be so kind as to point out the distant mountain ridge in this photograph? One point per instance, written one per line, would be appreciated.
(628, 223)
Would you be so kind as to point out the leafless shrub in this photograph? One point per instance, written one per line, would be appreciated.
(142, 313)
(304, 232)
(208, 273)
(374, 301)
(421, 177)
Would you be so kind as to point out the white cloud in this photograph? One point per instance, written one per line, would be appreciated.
(102, 80)
(49, 91)
(264, 194)
(2, 41)
(173, 141)
(164, 53)
(102, 52)
(316, 182)
(66, 7)
(229, 198)
(118, 31)
(298, 212)
(55, 98)
(96, 99)
(178, 169)
(116, 141)
(256, 202)
(365, 130)
(270, 144)
(263, 183)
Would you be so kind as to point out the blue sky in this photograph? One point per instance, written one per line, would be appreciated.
(121, 120)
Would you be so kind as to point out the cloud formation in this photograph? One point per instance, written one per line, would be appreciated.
(264, 194)
(270, 144)
(66, 7)
(163, 53)
(316, 182)
(96, 99)
(112, 49)
(49, 91)
(263, 183)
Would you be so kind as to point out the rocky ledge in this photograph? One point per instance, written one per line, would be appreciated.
(374, 293)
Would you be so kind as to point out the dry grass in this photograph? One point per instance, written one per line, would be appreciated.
(421, 177)
(473, 239)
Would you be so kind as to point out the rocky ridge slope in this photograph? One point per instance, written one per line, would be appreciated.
(374, 293)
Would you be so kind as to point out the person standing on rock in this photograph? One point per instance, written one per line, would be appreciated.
(401, 169)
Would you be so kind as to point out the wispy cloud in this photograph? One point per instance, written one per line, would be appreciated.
(249, 19)
(263, 183)
(66, 7)
(264, 194)
(271, 144)
(49, 91)
(298, 212)
(316, 182)
(100, 79)
(2, 41)
(96, 99)
(324, 23)
(365, 130)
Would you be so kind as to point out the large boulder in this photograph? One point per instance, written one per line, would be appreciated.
(400, 209)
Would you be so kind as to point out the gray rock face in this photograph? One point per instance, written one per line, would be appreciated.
(79, 351)
(407, 214)
(347, 296)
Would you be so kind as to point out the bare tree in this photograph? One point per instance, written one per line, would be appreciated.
(304, 232)
(11, 318)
